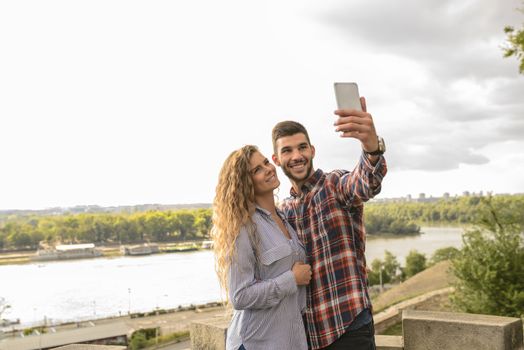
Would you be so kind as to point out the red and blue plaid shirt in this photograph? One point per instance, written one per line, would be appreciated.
(328, 217)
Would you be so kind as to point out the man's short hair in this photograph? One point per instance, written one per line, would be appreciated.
(287, 128)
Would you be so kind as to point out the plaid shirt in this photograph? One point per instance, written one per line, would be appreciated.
(328, 217)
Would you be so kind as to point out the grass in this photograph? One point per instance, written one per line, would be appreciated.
(433, 278)
(155, 342)
(396, 329)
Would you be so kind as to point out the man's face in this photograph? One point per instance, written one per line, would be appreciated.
(295, 157)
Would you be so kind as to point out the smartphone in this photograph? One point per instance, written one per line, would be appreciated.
(347, 96)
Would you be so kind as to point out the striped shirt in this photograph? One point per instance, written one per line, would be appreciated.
(267, 302)
(328, 217)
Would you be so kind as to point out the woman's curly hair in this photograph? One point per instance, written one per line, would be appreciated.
(233, 207)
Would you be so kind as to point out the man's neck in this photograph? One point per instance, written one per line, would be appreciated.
(297, 185)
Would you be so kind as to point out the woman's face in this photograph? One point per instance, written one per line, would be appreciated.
(263, 174)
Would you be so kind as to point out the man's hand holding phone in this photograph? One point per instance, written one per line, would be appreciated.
(352, 121)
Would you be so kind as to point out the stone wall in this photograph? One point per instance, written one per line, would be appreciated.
(422, 330)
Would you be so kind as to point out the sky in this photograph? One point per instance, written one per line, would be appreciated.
(133, 102)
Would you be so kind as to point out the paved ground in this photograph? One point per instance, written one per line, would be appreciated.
(168, 323)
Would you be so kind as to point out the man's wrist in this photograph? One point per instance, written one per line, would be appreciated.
(373, 160)
(381, 148)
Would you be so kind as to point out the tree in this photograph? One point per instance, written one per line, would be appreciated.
(138, 341)
(415, 263)
(184, 223)
(515, 44)
(490, 267)
(203, 222)
(447, 253)
(3, 306)
(384, 271)
(391, 266)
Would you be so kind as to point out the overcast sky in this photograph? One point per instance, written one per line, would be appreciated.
(133, 102)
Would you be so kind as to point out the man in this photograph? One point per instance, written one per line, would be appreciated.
(326, 209)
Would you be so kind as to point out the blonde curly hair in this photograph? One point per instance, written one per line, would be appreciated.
(233, 207)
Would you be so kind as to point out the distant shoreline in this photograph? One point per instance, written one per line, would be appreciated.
(24, 257)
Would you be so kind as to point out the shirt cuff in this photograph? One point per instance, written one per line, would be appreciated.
(286, 283)
(373, 169)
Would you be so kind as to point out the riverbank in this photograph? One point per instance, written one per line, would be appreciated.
(178, 320)
(24, 257)
(81, 289)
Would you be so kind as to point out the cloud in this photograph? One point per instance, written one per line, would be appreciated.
(459, 93)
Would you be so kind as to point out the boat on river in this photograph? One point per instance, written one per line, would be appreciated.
(140, 249)
(67, 251)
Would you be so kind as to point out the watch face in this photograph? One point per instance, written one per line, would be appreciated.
(381, 145)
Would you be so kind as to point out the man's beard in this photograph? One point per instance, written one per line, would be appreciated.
(309, 169)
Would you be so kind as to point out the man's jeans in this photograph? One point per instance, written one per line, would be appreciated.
(362, 338)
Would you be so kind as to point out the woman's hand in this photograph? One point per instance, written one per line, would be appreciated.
(302, 273)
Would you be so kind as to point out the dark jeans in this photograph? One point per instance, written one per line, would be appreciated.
(362, 338)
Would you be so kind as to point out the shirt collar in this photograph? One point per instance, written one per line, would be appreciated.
(266, 212)
(309, 184)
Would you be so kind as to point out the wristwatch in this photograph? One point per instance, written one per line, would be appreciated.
(381, 148)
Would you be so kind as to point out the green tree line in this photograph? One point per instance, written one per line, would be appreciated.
(389, 269)
(155, 226)
(28, 231)
(463, 210)
(104, 228)
(489, 268)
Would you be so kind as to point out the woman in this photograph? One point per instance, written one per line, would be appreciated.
(259, 258)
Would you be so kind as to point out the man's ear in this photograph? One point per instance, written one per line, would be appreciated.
(312, 151)
(275, 160)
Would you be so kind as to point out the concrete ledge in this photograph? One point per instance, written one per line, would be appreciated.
(393, 314)
(209, 334)
(389, 342)
(118, 330)
(459, 331)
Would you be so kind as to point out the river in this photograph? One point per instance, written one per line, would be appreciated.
(87, 289)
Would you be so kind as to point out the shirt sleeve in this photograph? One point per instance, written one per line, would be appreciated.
(364, 182)
(245, 291)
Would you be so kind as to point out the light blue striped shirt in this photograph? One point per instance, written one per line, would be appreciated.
(267, 302)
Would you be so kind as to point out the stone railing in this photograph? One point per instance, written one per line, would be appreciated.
(422, 330)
